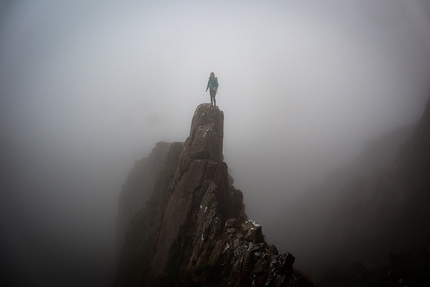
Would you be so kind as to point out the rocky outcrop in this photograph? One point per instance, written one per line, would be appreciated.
(194, 230)
(246, 260)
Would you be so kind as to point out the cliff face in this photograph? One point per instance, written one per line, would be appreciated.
(138, 188)
(387, 220)
(194, 230)
(388, 211)
(336, 211)
(360, 193)
(406, 189)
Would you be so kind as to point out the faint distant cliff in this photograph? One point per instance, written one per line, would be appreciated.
(403, 196)
(337, 209)
(381, 202)
(383, 217)
(193, 230)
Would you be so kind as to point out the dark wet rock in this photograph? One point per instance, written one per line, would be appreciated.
(248, 260)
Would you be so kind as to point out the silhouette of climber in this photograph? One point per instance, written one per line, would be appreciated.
(213, 88)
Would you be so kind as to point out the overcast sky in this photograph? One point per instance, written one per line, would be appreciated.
(89, 87)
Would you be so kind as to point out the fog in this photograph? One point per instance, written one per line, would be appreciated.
(89, 87)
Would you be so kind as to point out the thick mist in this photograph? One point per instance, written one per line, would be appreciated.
(86, 89)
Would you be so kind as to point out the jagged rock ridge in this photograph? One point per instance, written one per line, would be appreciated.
(194, 230)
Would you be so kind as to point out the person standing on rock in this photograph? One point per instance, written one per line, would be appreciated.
(213, 87)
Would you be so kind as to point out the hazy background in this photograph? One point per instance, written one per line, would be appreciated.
(89, 87)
